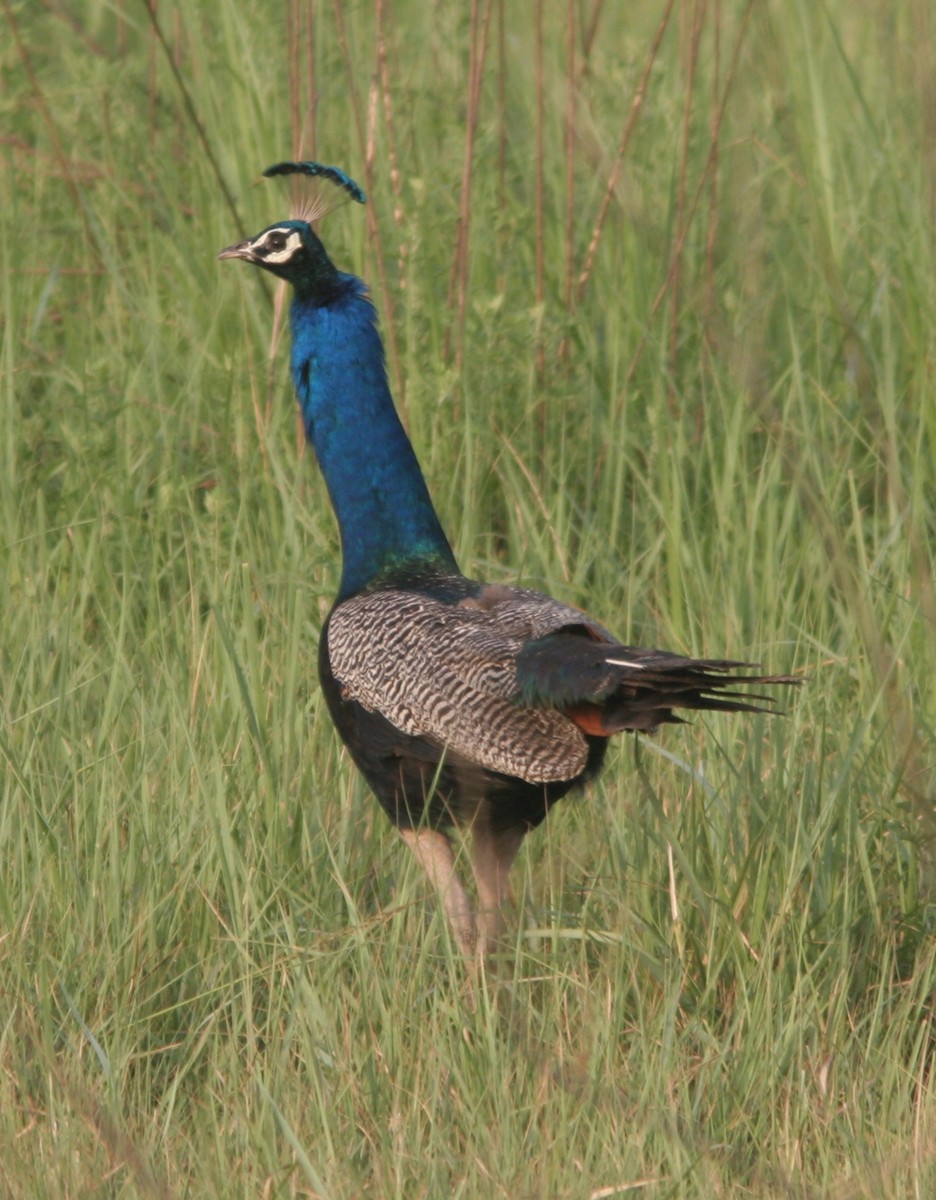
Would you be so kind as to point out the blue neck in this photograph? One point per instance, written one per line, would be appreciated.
(388, 526)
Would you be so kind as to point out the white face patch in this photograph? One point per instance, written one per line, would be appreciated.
(278, 245)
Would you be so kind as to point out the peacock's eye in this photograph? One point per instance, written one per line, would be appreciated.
(276, 241)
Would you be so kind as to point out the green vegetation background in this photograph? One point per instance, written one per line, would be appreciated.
(657, 283)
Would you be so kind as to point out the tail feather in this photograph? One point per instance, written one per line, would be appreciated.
(608, 688)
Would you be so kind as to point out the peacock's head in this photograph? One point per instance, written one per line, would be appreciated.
(292, 251)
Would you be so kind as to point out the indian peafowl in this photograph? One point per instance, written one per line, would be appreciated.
(464, 704)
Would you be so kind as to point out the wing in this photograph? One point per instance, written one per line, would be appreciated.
(447, 671)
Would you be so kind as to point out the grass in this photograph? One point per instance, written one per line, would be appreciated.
(677, 369)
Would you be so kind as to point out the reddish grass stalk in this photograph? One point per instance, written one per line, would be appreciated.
(710, 160)
(187, 102)
(312, 101)
(923, 65)
(698, 14)
(590, 32)
(576, 75)
(302, 125)
(366, 141)
(539, 198)
(294, 71)
(636, 105)
(396, 178)
(712, 231)
(502, 137)
(386, 97)
(458, 285)
(571, 92)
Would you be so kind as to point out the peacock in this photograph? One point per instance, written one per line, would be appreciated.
(467, 706)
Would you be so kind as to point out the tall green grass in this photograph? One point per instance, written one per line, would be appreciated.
(677, 369)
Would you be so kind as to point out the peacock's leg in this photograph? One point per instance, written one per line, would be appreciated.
(434, 853)
(492, 856)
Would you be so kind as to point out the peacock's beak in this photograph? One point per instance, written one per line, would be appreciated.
(239, 250)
